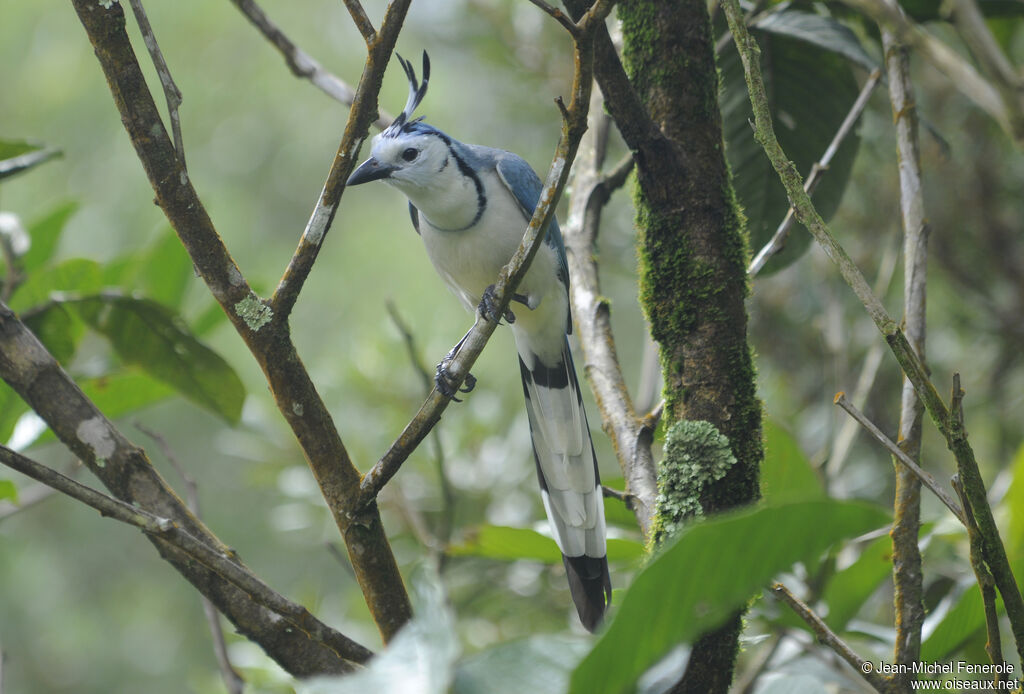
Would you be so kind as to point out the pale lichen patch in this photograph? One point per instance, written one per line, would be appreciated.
(97, 435)
(254, 312)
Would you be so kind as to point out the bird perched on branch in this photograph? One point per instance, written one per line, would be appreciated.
(471, 204)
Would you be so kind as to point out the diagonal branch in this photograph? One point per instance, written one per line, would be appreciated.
(301, 63)
(220, 560)
(260, 324)
(574, 124)
(171, 91)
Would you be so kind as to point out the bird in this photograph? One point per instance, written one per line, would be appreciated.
(470, 204)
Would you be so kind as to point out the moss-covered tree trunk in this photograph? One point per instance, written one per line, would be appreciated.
(693, 253)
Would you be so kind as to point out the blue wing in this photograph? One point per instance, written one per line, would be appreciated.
(525, 185)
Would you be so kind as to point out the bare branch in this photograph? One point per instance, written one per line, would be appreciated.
(591, 192)
(362, 22)
(558, 16)
(778, 240)
(219, 560)
(171, 91)
(233, 681)
(987, 584)
(301, 63)
(830, 639)
(908, 578)
(923, 475)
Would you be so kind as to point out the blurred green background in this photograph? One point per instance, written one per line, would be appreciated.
(87, 606)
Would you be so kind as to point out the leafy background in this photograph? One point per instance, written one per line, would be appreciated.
(87, 607)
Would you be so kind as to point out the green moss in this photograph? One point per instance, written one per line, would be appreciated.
(696, 456)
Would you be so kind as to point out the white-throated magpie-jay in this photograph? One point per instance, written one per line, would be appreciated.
(471, 204)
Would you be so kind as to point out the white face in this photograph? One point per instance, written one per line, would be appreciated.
(415, 158)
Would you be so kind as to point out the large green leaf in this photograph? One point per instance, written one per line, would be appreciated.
(510, 544)
(12, 407)
(45, 233)
(849, 589)
(151, 336)
(1013, 502)
(786, 474)
(708, 572)
(963, 620)
(17, 156)
(810, 90)
(57, 329)
(167, 270)
(77, 276)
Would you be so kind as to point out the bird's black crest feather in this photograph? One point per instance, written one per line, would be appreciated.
(417, 91)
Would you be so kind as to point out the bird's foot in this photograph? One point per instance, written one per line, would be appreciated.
(488, 308)
(446, 383)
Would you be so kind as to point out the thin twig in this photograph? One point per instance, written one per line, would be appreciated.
(301, 63)
(362, 22)
(171, 91)
(987, 585)
(172, 533)
(830, 639)
(923, 475)
(908, 578)
(233, 681)
(778, 240)
(558, 16)
(444, 530)
(512, 274)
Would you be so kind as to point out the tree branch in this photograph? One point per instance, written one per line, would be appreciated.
(951, 429)
(574, 124)
(908, 579)
(261, 325)
(362, 22)
(220, 560)
(590, 193)
(171, 91)
(301, 63)
(830, 639)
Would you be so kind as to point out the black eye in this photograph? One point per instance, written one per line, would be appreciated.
(410, 154)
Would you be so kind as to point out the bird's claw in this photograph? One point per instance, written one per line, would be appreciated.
(489, 308)
(446, 384)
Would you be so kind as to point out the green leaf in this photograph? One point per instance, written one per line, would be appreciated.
(151, 336)
(122, 392)
(538, 665)
(12, 407)
(45, 234)
(167, 270)
(709, 571)
(786, 474)
(810, 90)
(963, 620)
(8, 491)
(849, 589)
(510, 544)
(18, 156)
(78, 275)
(823, 32)
(1013, 502)
(57, 329)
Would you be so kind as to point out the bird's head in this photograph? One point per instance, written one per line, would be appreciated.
(409, 152)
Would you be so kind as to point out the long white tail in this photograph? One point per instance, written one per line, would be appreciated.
(567, 471)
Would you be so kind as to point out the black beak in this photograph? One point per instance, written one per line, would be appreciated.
(369, 170)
